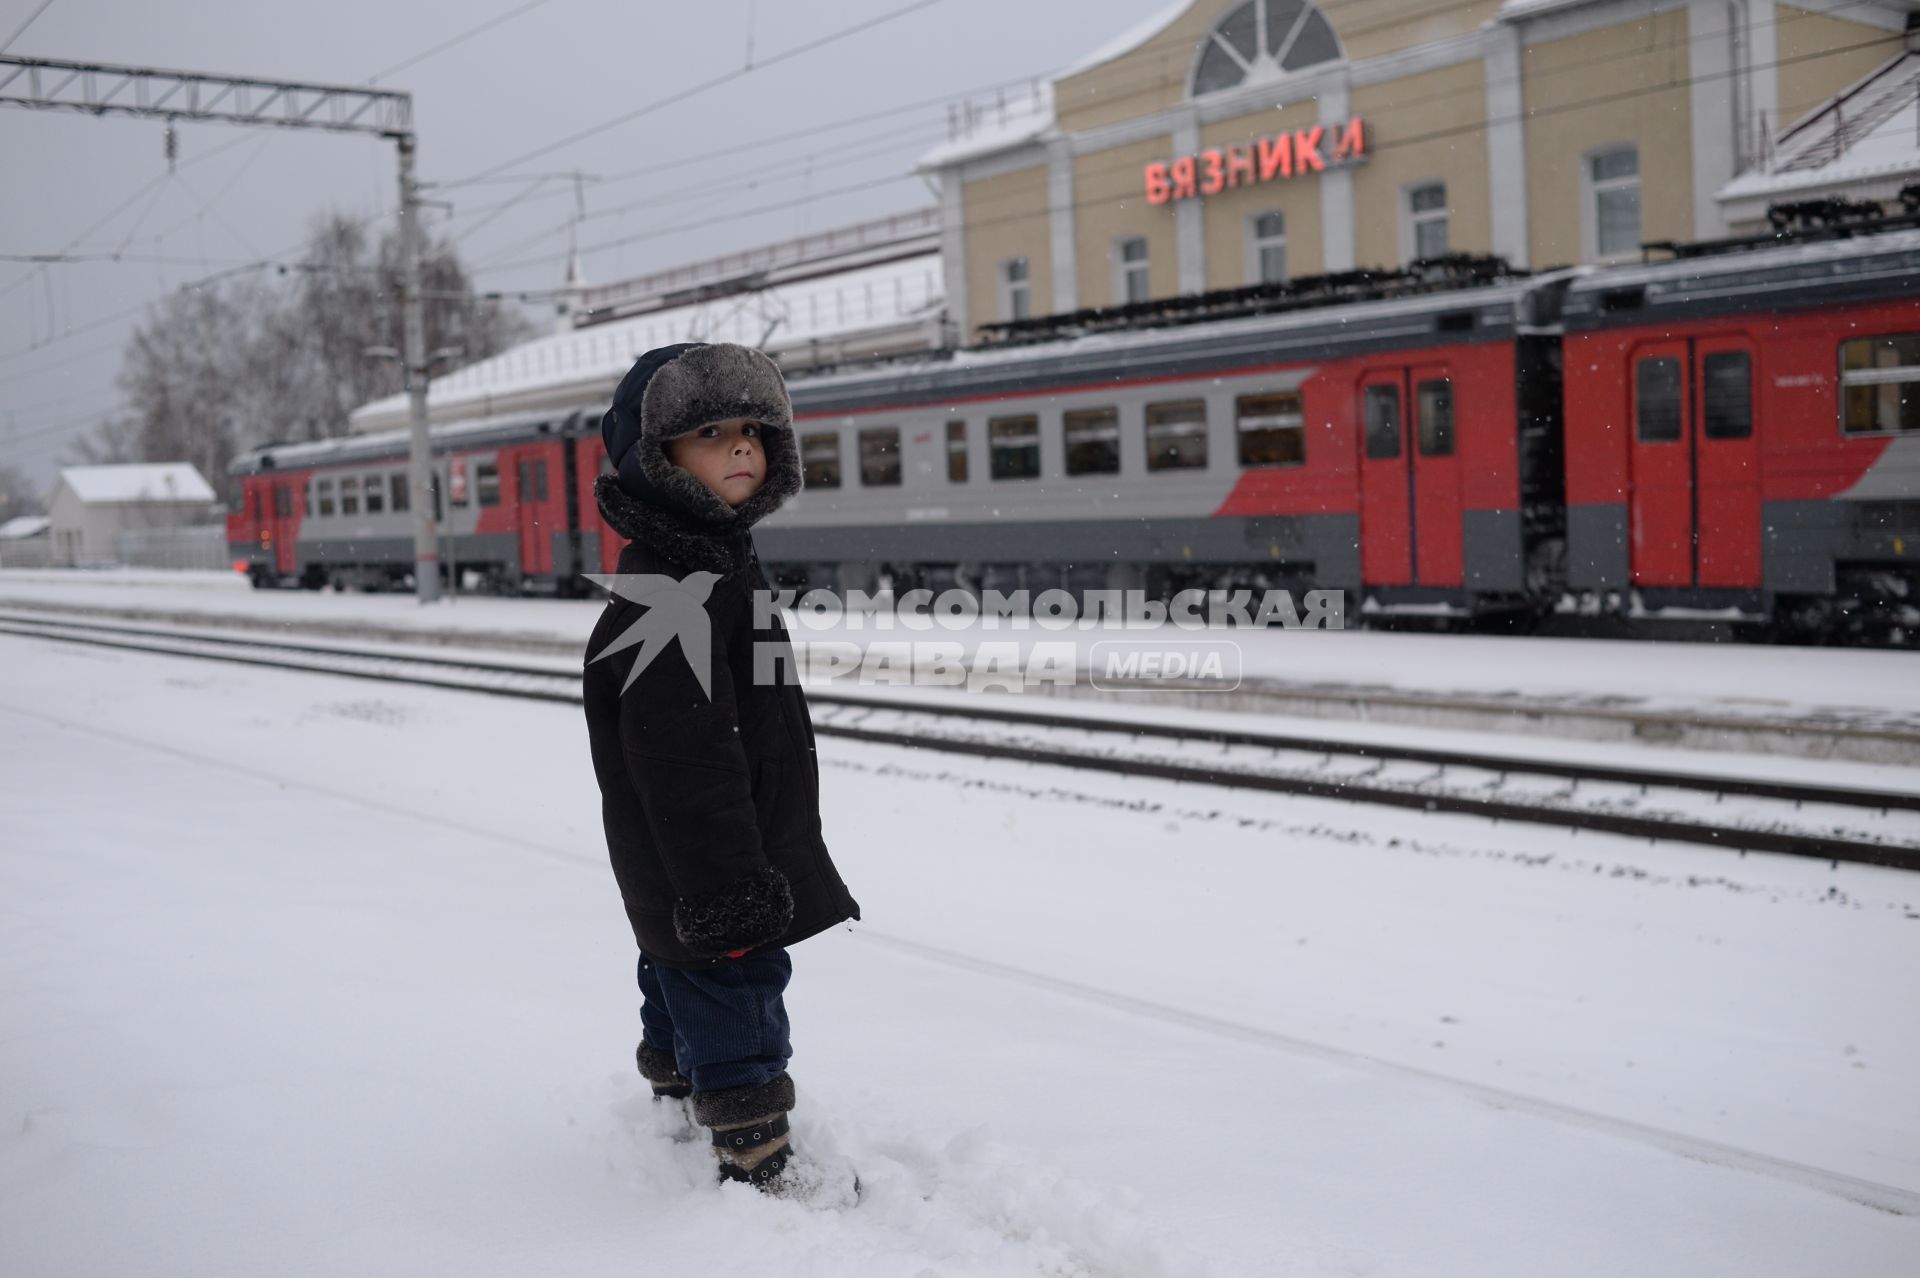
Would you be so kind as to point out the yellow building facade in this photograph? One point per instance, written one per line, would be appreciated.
(1233, 142)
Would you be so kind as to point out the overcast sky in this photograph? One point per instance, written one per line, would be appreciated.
(559, 68)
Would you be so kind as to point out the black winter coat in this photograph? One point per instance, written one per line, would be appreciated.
(712, 806)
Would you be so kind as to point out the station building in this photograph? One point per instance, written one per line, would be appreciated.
(1234, 142)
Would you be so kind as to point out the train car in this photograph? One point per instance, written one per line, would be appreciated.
(507, 497)
(1402, 448)
(1743, 431)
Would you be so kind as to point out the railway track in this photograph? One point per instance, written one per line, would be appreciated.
(1833, 823)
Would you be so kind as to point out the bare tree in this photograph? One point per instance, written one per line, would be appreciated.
(216, 370)
(18, 496)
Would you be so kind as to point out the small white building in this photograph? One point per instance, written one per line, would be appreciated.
(94, 505)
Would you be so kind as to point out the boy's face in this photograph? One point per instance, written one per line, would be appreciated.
(725, 456)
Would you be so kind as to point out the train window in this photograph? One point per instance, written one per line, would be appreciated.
(236, 497)
(376, 495)
(400, 492)
(1433, 417)
(956, 452)
(350, 495)
(282, 501)
(1656, 400)
(324, 491)
(1093, 441)
(880, 457)
(1272, 429)
(1013, 447)
(1880, 384)
(306, 500)
(486, 483)
(540, 481)
(820, 459)
(1382, 405)
(1726, 386)
(1177, 435)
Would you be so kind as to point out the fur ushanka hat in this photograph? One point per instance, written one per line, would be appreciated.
(669, 392)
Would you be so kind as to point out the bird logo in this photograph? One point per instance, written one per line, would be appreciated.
(676, 610)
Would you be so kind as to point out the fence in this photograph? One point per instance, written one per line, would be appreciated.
(26, 552)
(203, 546)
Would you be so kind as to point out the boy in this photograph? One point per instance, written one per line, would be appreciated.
(709, 787)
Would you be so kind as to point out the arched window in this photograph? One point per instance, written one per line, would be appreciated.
(1260, 40)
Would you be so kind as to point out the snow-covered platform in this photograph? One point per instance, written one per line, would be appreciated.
(303, 975)
(1816, 703)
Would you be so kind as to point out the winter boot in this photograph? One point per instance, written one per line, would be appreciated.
(658, 1068)
(749, 1126)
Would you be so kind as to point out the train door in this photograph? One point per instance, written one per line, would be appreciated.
(1410, 520)
(1726, 464)
(1386, 483)
(282, 525)
(1694, 508)
(536, 542)
(1437, 541)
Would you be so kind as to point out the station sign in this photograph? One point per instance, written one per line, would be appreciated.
(457, 480)
(1274, 159)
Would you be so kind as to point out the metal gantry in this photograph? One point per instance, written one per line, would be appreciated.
(98, 88)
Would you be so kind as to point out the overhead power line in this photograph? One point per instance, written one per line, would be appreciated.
(695, 90)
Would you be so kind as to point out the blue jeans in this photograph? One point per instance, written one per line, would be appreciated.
(727, 1025)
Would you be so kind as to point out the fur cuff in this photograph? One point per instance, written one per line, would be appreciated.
(657, 1066)
(746, 913)
(675, 536)
(738, 1106)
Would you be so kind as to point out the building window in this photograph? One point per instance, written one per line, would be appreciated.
(1177, 435)
(1613, 181)
(1726, 395)
(1261, 39)
(1013, 445)
(1880, 384)
(1131, 282)
(1656, 401)
(486, 483)
(1267, 233)
(1427, 220)
(820, 459)
(402, 494)
(1272, 429)
(880, 457)
(1382, 412)
(1092, 437)
(956, 452)
(376, 495)
(1433, 408)
(350, 495)
(1016, 300)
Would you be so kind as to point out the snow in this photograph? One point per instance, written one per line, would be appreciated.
(338, 983)
(21, 526)
(142, 481)
(1869, 688)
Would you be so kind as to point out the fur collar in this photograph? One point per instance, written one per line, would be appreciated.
(686, 542)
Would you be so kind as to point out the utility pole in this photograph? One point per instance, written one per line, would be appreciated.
(103, 89)
(413, 354)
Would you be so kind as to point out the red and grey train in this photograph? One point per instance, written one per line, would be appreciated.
(1734, 430)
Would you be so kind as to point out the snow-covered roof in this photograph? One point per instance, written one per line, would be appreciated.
(1872, 139)
(779, 318)
(21, 526)
(1130, 39)
(1513, 10)
(1000, 128)
(139, 481)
